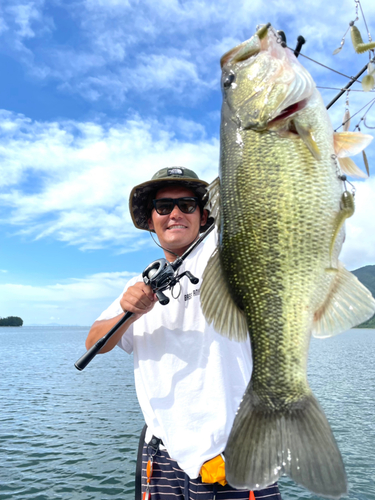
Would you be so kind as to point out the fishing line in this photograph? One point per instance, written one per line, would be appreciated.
(364, 19)
(351, 90)
(165, 249)
(367, 126)
(364, 116)
(371, 103)
(324, 66)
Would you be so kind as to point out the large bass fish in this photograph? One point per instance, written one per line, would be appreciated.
(280, 202)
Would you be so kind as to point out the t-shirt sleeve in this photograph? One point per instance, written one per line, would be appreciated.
(126, 341)
(115, 308)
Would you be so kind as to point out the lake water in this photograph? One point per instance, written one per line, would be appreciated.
(70, 435)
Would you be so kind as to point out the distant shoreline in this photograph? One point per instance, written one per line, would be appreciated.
(57, 325)
(34, 325)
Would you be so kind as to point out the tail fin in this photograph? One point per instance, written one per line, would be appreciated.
(297, 441)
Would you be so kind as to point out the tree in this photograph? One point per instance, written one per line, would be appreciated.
(11, 321)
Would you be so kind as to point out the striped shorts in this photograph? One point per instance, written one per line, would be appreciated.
(169, 482)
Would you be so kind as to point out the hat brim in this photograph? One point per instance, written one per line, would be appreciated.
(140, 194)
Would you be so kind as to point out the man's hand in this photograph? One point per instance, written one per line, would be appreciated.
(138, 299)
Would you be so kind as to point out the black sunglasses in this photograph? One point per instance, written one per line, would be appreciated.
(164, 206)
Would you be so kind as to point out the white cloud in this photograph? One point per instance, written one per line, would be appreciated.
(153, 74)
(161, 71)
(108, 57)
(125, 47)
(83, 174)
(92, 287)
(22, 21)
(71, 180)
(24, 16)
(88, 170)
(78, 301)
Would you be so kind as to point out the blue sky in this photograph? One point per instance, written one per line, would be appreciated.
(95, 96)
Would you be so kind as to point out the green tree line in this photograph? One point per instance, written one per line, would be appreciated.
(11, 321)
(366, 275)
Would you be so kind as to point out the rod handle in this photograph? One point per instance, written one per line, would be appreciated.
(89, 355)
(93, 351)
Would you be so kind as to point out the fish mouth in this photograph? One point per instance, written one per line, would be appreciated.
(289, 111)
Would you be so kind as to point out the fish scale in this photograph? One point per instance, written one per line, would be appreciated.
(264, 226)
(275, 273)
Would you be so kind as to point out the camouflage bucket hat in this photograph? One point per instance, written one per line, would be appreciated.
(140, 200)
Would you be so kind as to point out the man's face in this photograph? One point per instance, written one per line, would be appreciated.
(176, 231)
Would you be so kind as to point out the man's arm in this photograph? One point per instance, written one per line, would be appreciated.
(138, 299)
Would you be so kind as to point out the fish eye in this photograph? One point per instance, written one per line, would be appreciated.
(229, 79)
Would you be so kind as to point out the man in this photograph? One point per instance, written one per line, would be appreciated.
(189, 379)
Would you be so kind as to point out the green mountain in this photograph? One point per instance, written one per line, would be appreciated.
(366, 276)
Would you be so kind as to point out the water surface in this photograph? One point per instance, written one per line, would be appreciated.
(70, 435)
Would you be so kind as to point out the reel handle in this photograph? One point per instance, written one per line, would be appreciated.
(163, 299)
(192, 278)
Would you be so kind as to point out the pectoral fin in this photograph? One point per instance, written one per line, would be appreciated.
(217, 304)
(350, 143)
(308, 138)
(348, 304)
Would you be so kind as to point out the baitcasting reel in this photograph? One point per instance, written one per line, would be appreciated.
(161, 275)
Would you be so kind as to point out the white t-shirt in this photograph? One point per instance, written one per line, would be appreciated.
(189, 379)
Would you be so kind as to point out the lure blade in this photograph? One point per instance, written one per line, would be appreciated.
(339, 48)
(146, 495)
(346, 121)
(366, 163)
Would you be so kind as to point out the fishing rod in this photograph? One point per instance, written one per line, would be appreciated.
(161, 275)
(343, 90)
(297, 51)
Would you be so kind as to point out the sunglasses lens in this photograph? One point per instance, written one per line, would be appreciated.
(164, 207)
(187, 206)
